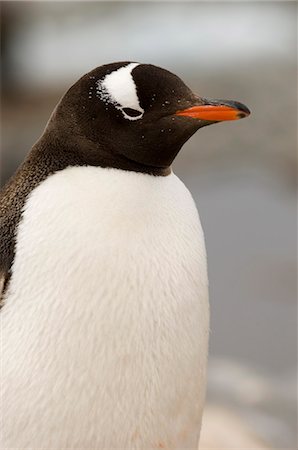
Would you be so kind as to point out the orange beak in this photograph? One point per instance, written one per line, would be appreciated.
(216, 111)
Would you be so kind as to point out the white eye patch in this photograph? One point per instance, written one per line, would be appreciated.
(120, 89)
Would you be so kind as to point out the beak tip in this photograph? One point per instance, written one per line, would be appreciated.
(242, 114)
(243, 110)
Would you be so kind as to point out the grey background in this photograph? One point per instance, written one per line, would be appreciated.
(242, 175)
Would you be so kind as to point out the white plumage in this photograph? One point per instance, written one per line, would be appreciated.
(119, 88)
(105, 328)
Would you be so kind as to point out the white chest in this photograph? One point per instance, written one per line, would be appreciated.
(105, 328)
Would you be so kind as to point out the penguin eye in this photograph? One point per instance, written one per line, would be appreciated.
(132, 112)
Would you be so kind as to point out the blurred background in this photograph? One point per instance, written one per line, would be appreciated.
(242, 175)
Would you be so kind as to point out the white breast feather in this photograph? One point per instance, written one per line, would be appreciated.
(105, 326)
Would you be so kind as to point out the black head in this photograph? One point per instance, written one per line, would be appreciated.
(134, 116)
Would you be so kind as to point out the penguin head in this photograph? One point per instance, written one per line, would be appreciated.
(135, 116)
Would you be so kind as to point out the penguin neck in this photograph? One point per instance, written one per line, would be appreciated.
(62, 150)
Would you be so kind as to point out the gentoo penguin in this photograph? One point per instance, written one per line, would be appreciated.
(105, 312)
